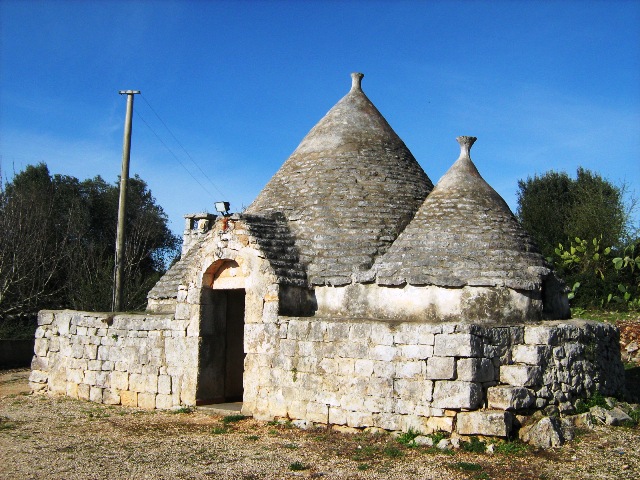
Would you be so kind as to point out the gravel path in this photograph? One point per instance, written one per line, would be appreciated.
(44, 437)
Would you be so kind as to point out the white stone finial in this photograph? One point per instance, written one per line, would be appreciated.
(356, 81)
(465, 145)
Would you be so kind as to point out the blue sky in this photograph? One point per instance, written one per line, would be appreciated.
(543, 85)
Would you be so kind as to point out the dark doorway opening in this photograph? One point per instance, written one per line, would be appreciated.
(221, 352)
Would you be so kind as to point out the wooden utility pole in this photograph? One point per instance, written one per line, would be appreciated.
(118, 291)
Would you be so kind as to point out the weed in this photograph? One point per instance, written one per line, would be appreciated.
(291, 446)
(365, 453)
(273, 431)
(273, 423)
(183, 410)
(437, 436)
(115, 336)
(511, 448)
(393, 452)
(467, 466)
(363, 466)
(408, 438)
(297, 466)
(219, 430)
(253, 437)
(232, 418)
(7, 426)
(595, 400)
(474, 446)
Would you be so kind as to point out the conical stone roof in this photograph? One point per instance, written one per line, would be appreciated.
(463, 234)
(347, 191)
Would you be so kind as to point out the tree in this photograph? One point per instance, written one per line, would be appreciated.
(58, 241)
(555, 209)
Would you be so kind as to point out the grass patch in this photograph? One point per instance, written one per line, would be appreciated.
(408, 438)
(393, 451)
(253, 438)
(298, 466)
(368, 452)
(183, 410)
(467, 466)
(363, 466)
(232, 419)
(511, 448)
(474, 446)
(291, 446)
(219, 430)
(7, 426)
(595, 400)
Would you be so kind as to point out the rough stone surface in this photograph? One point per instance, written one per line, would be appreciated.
(493, 423)
(546, 433)
(509, 398)
(376, 187)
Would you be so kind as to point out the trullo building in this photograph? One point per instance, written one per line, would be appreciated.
(350, 292)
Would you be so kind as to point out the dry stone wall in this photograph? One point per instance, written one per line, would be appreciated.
(426, 377)
(143, 360)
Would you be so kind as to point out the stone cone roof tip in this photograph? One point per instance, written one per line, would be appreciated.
(347, 191)
(463, 234)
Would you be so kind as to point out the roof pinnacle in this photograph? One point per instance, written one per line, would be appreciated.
(356, 81)
(465, 145)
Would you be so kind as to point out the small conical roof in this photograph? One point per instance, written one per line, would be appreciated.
(463, 234)
(347, 191)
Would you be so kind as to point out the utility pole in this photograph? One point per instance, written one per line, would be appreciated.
(118, 297)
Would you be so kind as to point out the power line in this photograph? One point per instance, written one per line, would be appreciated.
(172, 153)
(181, 146)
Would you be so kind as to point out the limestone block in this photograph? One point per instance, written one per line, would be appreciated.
(337, 416)
(491, 423)
(39, 363)
(84, 391)
(439, 424)
(530, 354)
(359, 419)
(108, 365)
(102, 379)
(475, 369)
(359, 332)
(119, 380)
(456, 394)
(388, 421)
(94, 365)
(417, 333)
(110, 397)
(509, 398)
(45, 317)
(383, 369)
(41, 347)
(164, 384)
(409, 369)
(72, 390)
(129, 398)
(521, 375)
(164, 402)
(75, 375)
(335, 331)
(380, 334)
(317, 412)
(385, 353)
(541, 335)
(457, 345)
(416, 351)
(147, 400)
(441, 368)
(90, 377)
(363, 368)
(95, 394)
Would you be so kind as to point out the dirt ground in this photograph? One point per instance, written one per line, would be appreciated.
(43, 437)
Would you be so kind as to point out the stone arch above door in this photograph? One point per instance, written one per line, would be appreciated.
(224, 274)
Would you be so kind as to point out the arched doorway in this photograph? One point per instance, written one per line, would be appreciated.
(221, 351)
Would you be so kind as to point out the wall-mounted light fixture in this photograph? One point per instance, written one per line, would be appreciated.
(222, 207)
